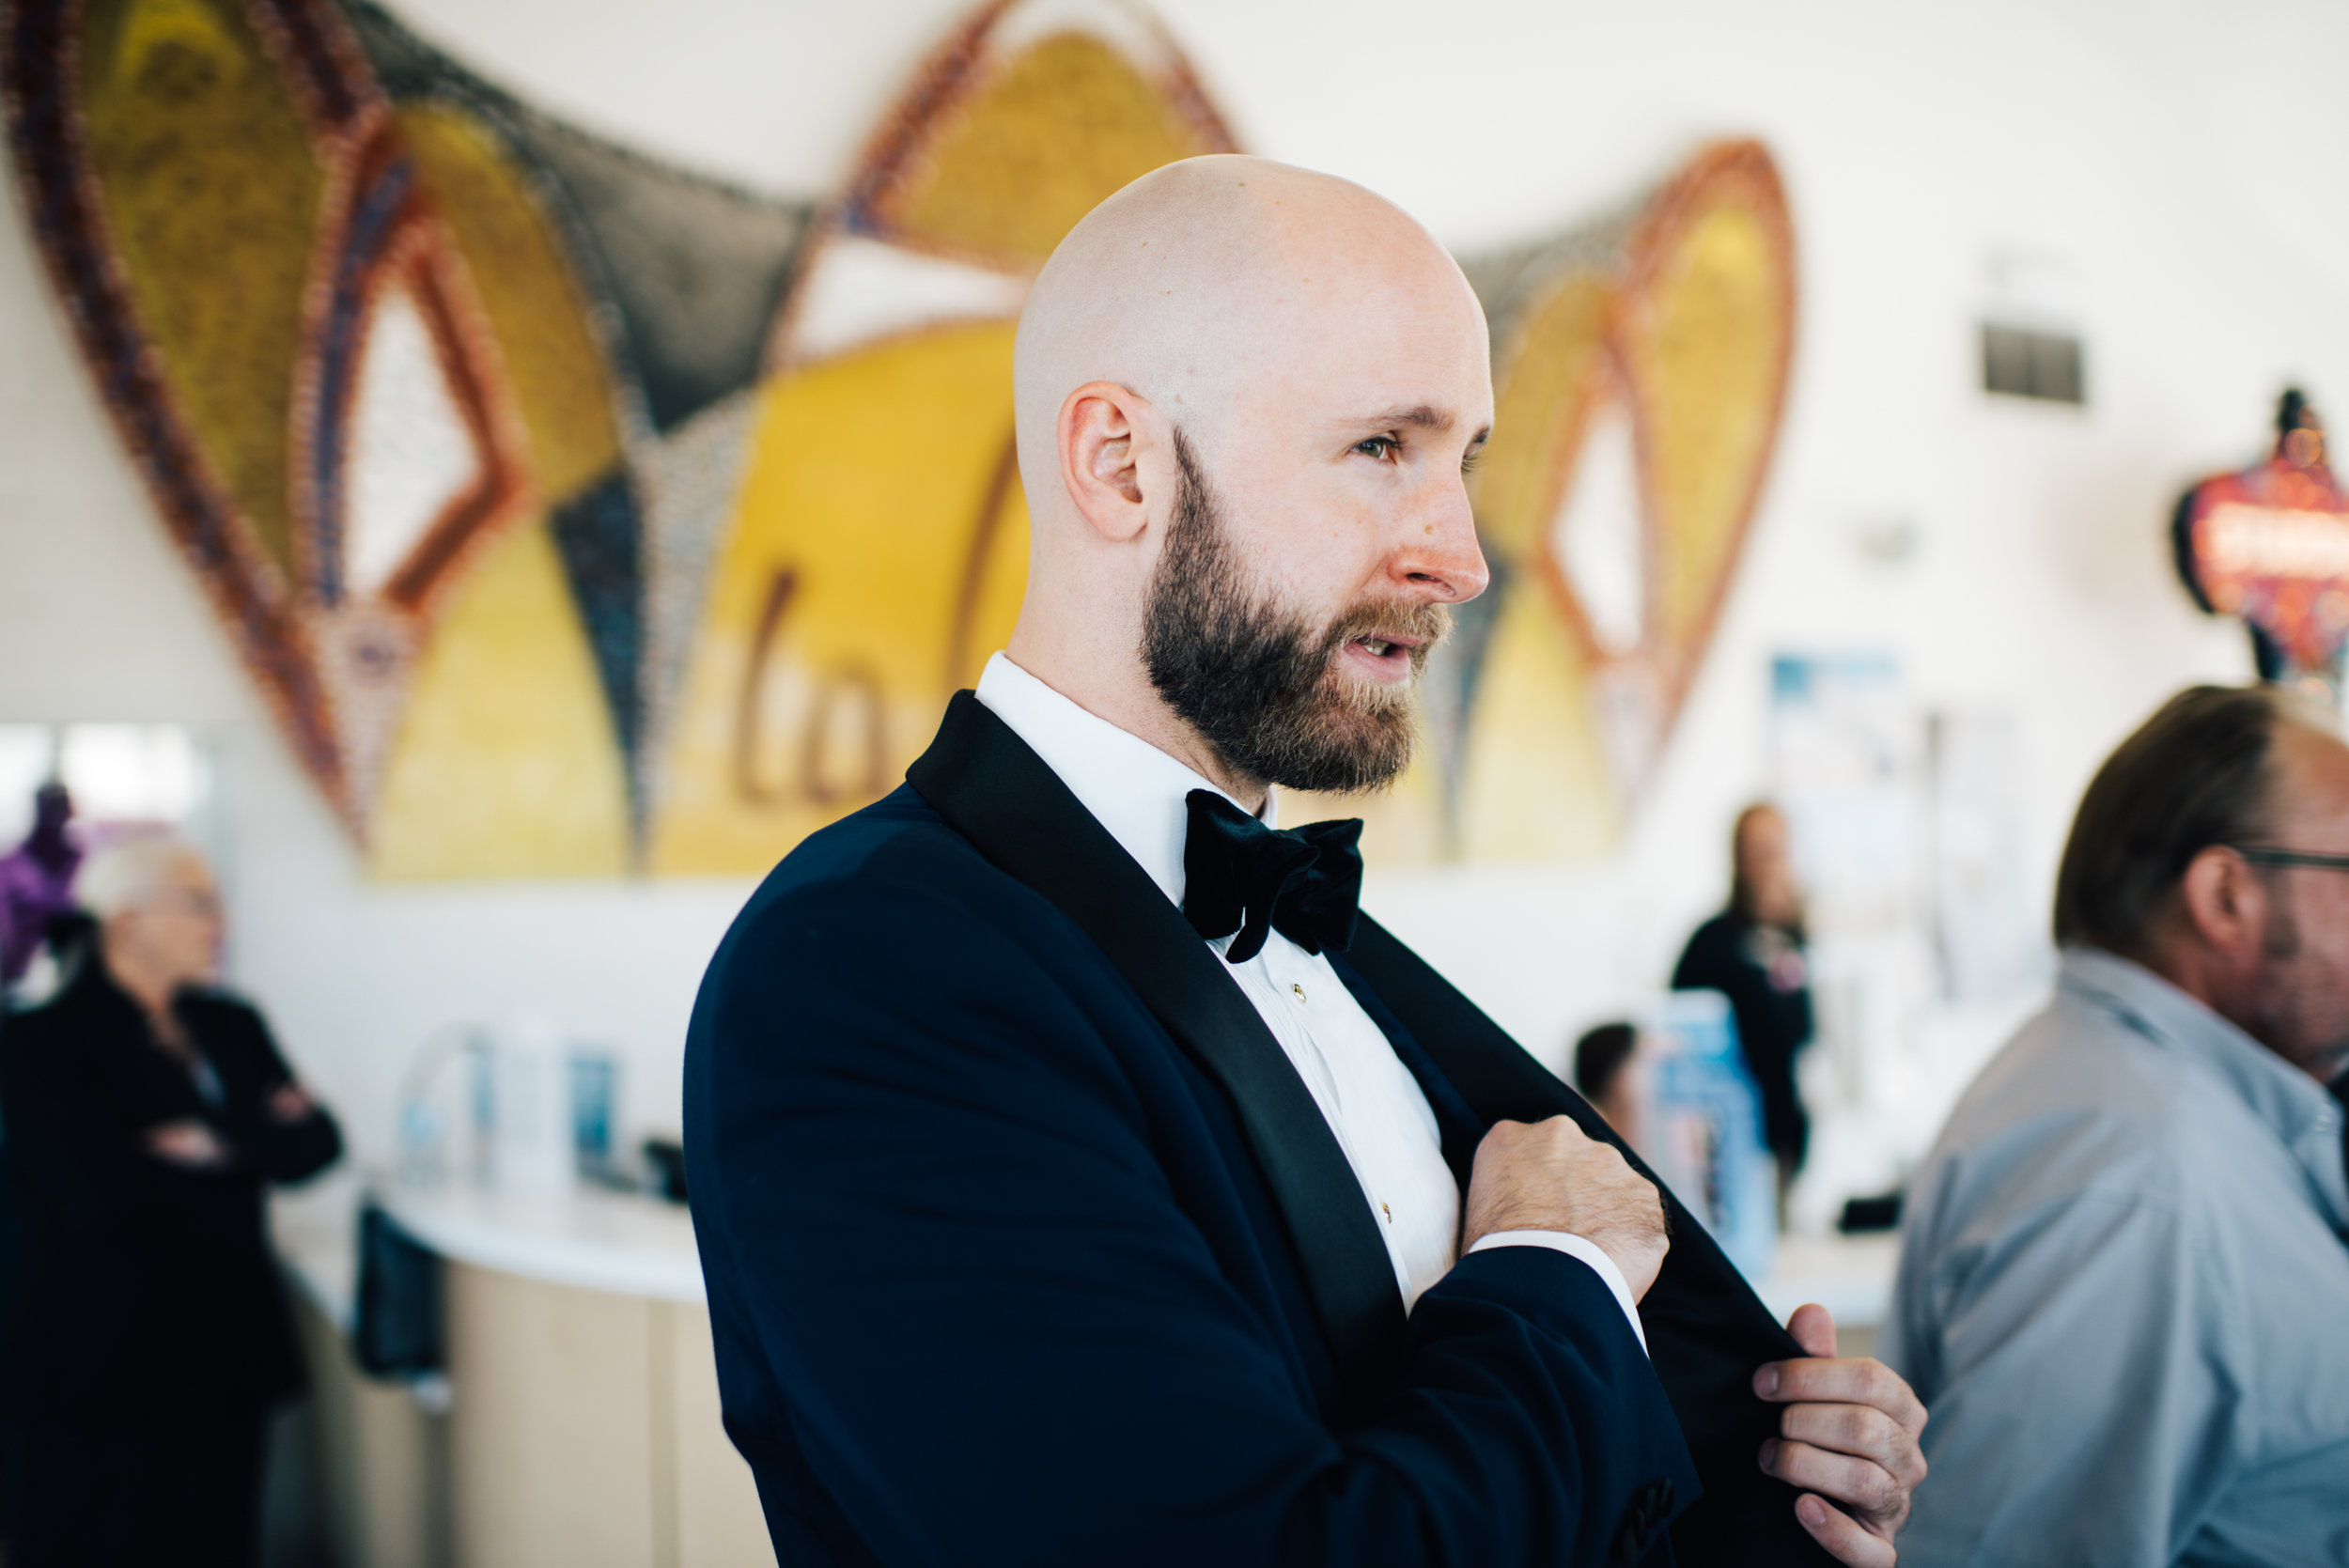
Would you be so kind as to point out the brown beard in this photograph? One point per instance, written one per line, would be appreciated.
(1256, 679)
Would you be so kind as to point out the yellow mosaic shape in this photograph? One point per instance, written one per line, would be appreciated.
(1065, 123)
(200, 151)
(1534, 782)
(506, 765)
(875, 519)
(1711, 344)
(551, 361)
(1546, 374)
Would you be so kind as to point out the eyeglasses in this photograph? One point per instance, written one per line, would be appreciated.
(2261, 856)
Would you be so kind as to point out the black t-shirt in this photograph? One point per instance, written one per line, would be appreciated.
(1762, 971)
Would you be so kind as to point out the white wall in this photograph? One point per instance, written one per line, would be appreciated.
(2186, 162)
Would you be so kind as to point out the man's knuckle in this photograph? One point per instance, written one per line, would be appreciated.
(1911, 1468)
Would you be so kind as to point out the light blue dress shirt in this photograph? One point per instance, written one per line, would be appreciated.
(2124, 1296)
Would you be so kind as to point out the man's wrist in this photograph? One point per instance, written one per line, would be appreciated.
(1579, 1246)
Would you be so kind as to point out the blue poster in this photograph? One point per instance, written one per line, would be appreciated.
(1704, 1132)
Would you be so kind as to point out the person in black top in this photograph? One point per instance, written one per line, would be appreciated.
(144, 1113)
(1752, 952)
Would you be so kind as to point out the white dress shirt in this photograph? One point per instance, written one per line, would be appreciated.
(1374, 1106)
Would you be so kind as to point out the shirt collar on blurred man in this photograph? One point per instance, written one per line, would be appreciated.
(2304, 1118)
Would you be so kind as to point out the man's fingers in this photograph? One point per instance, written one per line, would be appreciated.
(1861, 1486)
(1862, 1431)
(1814, 1327)
(1853, 1381)
(1845, 1541)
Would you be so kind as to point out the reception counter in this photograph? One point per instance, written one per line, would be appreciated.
(579, 1425)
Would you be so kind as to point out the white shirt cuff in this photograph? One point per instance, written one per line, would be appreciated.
(1575, 1247)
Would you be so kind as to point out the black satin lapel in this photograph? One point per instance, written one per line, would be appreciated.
(1496, 1077)
(1706, 1330)
(991, 788)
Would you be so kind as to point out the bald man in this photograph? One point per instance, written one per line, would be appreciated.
(1078, 1177)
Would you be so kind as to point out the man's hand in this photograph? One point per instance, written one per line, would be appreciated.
(187, 1142)
(1850, 1434)
(1547, 1176)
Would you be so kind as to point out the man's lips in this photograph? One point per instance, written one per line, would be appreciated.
(1388, 652)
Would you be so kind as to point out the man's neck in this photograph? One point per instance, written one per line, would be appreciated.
(152, 990)
(1128, 700)
(2198, 972)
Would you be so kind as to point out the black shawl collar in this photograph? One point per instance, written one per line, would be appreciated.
(1706, 1330)
(988, 785)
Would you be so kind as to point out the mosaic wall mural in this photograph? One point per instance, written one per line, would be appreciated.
(559, 501)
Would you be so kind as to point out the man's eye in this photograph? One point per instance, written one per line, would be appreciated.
(1380, 447)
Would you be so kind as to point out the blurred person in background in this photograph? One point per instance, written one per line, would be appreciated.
(1602, 1071)
(144, 1113)
(37, 883)
(2124, 1280)
(1752, 952)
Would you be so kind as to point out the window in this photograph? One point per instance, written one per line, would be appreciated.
(121, 776)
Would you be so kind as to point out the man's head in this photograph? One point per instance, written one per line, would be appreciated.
(156, 901)
(52, 808)
(1761, 886)
(1246, 394)
(1602, 1071)
(2157, 868)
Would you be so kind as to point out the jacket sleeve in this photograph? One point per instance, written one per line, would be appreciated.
(929, 1186)
(272, 1150)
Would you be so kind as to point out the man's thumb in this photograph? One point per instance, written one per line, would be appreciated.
(1813, 1328)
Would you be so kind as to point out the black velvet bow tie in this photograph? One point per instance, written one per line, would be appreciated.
(1242, 876)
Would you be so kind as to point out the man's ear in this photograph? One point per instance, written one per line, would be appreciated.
(1103, 430)
(2224, 901)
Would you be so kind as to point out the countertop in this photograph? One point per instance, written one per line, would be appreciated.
(589, 1238)
(631, 1245)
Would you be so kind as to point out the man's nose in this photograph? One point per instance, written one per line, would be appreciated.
(1439, 554)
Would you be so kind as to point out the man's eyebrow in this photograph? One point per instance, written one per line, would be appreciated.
(1419, 416)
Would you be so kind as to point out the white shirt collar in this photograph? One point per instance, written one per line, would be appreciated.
(1132, 788)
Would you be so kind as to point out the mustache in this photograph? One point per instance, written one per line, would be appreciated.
(1430, 622)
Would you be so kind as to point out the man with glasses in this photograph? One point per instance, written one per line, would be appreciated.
(2123, 1282)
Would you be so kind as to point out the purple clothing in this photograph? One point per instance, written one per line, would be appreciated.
(30, 894)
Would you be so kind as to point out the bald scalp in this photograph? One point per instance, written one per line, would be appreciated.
(1191, 283)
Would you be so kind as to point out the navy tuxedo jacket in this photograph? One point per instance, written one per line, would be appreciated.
(1025, 1244)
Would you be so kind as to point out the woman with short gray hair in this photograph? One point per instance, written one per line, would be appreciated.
(146, 1111)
